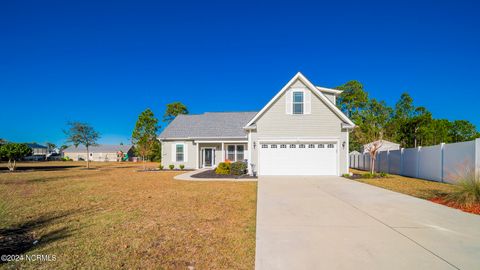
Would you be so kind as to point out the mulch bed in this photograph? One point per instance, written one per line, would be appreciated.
(474, 209)
(212, 174)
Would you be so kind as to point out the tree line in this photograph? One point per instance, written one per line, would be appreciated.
(405, 123)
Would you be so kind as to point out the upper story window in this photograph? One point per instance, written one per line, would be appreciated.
(297, 102)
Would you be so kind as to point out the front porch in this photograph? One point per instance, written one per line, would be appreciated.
(210, 154)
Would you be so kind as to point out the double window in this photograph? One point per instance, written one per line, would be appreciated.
(236, 152)
(298, 102)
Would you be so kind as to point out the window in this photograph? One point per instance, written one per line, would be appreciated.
(179, 153)
(301, 146)
(297, 102)
(311, 146)
(231, 152)
(321, 146)
(293, 146)
(273, 146)
(283, 146)
(264, 146)
(236, 152)
(240, 155)
(330, 145)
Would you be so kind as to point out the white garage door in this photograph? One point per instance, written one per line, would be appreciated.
(298, 159)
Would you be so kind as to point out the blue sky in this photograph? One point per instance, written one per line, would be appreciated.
(104, 63)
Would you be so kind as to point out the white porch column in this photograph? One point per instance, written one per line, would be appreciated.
(223, 152)
(249, 157)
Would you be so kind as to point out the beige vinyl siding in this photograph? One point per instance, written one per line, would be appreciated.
(321, 123)
(330, 97)
(94, 157)
(190, 152)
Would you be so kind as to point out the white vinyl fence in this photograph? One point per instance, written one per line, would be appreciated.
(442, 163)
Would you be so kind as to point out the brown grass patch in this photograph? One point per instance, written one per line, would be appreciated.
(115, 217)
(419, 188)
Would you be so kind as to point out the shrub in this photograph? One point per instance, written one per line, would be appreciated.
(160, 167)
(346, 175)
(171, 166)
(383, 174)
(368, 175)
(182, 167)
(467, 190)
(238, 168)
(223, 168)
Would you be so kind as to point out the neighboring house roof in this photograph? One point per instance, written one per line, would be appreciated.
(354, 153)
(36, 145)
(208, 125)
(386, 145)
(315, 89)
(102, 148)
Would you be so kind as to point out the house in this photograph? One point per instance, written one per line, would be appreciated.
(299, 131)
(39, 152)
(386, 145)
(102, 152)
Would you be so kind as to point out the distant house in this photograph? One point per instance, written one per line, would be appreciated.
(39, 152)
(386, 145)
(102, 152)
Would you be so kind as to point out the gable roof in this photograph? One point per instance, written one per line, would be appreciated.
(101, 148)
(36, 145)
(315, 89)
(208, 125)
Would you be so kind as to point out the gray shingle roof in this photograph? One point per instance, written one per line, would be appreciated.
(36, 145)
(208, 125)
(102, 148)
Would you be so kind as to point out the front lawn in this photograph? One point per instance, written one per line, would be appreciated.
(115, 217)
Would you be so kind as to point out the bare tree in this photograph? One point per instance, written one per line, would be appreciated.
(373, 148)
(82, 134)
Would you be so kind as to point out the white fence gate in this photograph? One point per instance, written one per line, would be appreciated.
(442, 163)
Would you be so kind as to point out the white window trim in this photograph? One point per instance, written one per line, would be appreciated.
(244, 150)
(294, 103)
(174, 152)
(214, 149)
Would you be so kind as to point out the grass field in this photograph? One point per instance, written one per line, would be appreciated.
(411, 186)
(115, 217)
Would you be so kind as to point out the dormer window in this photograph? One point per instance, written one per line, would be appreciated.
(297, 102)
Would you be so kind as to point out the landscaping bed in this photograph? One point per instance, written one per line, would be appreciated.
(212, 174)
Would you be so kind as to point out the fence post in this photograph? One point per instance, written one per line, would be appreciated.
(388, 161)
(442, 149)
(401, 161)
(419, 149)
(477, 157)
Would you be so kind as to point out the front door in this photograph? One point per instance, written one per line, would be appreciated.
(208, 157)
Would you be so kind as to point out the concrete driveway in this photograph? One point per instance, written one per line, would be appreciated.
(335, 223)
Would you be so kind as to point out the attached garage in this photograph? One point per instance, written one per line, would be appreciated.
(312, 158)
